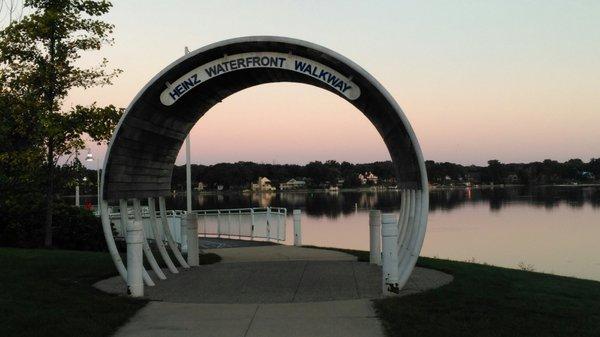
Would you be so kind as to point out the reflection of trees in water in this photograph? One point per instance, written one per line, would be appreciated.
(497, 198)
(333, 205)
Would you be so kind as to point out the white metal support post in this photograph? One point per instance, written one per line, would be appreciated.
(135, 259)
(188, 165)
(391, 272)
(110, 240)
(125, 223)
(191, 220)
(269, 220)
(252, 224)
(375, 237)
(297, 228)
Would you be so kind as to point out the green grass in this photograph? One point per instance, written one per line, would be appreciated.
(490, 301)
(50, 293)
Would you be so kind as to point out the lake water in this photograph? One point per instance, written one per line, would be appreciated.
(552, 229)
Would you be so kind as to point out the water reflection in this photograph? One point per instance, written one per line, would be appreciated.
(333, 205)
(555, 229)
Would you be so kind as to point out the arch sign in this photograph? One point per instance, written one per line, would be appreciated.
(147, 139)
(226, 64)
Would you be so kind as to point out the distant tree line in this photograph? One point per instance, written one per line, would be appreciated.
(534, 173)
(321, 174)
(316, 174)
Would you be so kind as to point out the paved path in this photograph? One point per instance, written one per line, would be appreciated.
(212, 242)
(331, 319)
(278, 253)
(290, 292)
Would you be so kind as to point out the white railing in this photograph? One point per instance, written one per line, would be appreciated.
(267, 223)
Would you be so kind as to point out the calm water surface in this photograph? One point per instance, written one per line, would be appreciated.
(553, 229)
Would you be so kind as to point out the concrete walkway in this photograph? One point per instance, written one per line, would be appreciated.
(268, 291)
(278, 253)
(331, 319)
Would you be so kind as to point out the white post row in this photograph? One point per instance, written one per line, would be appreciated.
(191, 220)
(412, 243)
(375, 237)
(170, 240)
(158, 237)
(391, 272)
(297, 227)
(137, 213)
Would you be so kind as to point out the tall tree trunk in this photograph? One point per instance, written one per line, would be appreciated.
(49, 196)
(50, 95)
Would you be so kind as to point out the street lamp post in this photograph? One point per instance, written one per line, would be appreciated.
(90, 157)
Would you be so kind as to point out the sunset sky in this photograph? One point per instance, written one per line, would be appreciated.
(518, 81)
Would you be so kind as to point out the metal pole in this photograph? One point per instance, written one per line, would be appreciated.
(375, 237)
(77, 194)
(192, 239)
(126, 224)
(251, 223)
(188, 174)
(297, 228)
(98, 183)
(268, 223)
(188, 166)
(77, 182)
(135, 265)
(391, 272)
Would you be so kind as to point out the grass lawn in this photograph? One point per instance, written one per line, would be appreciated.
(492, 301)
(50, 293)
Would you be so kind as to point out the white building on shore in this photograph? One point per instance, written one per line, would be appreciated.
(263, 184)
(368, 177)
(292, 184)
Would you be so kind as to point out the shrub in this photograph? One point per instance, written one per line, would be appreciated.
(74, 228)
(78, 229)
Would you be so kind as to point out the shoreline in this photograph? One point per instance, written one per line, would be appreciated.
(380, 189)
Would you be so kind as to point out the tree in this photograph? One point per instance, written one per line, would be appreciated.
(38, 66)
(495, 171)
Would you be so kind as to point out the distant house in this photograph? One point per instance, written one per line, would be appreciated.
(368, 177)
(292, 184)
(473, 177)
(512, 179)
(263, 184)
(588, 175)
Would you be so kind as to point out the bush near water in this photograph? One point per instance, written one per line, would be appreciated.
(74, 228)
